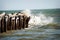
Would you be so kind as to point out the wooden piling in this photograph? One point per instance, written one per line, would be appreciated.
(15, 23)
(5, 25)
(19, 22)
(9, 27)
(7, 22)
(1, 26)
(27, 21)
(24, 22)
(10, 23)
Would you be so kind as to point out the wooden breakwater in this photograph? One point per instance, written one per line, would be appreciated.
(13, 22)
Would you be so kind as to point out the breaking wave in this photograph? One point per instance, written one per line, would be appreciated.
(39, 19)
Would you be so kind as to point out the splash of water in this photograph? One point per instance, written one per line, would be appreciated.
(26, 12)
(40, 19)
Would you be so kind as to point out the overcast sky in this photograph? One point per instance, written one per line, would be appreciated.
(28, 4)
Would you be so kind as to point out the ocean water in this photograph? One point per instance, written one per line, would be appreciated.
(48, 12)
(43, 25)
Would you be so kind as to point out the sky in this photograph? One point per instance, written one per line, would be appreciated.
(29, 4)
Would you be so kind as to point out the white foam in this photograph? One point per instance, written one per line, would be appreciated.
(41, 19)
(26, 12)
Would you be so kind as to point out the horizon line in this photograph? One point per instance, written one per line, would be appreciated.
(29, 9)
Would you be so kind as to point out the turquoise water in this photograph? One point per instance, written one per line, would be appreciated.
(37, 32)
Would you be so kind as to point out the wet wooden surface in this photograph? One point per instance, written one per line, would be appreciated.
(13, 23)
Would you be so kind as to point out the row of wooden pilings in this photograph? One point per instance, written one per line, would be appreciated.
(16, 22)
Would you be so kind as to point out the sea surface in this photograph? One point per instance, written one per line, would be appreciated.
(50, 31)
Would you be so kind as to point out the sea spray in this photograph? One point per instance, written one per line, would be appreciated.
(39, 19)
(26, 12)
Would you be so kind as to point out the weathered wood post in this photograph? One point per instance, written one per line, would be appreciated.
(27, 21)
(6, 22)
(1, 26)
(24, 22)
(2, 22)
(20, 17)
(9, 23)
(15, 23)
(14, 20)
(18, 22)
(21, 22)
(5, 25)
